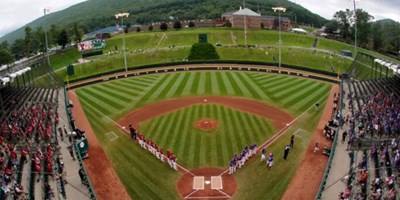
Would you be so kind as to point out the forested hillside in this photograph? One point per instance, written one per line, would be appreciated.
(95, 14)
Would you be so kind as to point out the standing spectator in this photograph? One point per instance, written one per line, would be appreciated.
(71, 152)
(82, 176)
(286, 152)
(316, 148)
(344, 136)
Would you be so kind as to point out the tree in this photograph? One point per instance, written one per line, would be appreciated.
(4, 45)
(53, 34)
(393, 38)
(363, 27)
(203, 51)
(177, 25)
(18, 48)
(138, 29)
(77, 31)
(5, 56)
(150, 28)
(163, 26)
(127, 27)
(331, 27)
(63, 38)
(377, 37)
(28, 40)
(191, 24)
(343, 20)
(39, 40)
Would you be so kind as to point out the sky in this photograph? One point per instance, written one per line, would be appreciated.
(17, 13)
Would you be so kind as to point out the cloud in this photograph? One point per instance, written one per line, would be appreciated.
(380, 9)
(17, 13)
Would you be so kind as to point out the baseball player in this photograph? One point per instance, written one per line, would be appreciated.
(247, 152)
(231, 166)
(140, 139)
(270, 160)
(173, 160)
(169, 157)
(161, 155)
(157, 152)
(263, 154)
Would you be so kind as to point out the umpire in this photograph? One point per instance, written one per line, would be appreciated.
(132, 131)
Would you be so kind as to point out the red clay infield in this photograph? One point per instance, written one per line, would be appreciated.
(185, 185)
(102, 176)
(206, 124)
(278, 117)
(305, 183)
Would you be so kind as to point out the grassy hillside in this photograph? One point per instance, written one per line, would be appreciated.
(112, 100)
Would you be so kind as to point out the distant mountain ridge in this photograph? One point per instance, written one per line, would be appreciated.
(95, 14)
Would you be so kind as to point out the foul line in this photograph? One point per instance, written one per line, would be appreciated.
(209, 197)
(187, 196)
(227, 195)
(282, 131)
(121, 127)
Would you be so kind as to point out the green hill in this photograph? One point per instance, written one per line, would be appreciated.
(95, 14)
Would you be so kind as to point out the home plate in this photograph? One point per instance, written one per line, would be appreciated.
(216, 182)
(198, 183)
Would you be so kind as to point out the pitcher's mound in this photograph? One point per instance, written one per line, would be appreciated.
(206, 183)
(206, 124)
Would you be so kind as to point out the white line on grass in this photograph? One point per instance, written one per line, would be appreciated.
(283, 130)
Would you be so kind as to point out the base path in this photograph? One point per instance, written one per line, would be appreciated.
(305, 183)
(278, 117)
(187, 189)
(104, 179)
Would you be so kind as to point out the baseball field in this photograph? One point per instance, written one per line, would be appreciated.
(247, 107)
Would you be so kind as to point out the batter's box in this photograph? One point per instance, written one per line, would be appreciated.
(216, 183)
(198, 183)
(111, 136)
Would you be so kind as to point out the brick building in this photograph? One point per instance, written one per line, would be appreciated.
(254, 20)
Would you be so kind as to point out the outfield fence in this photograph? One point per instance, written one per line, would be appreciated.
(333, 148)
(196, 66)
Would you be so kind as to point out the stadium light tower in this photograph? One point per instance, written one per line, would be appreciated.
(122, 15)
(45, 11)
(279, 10)
(355, 26)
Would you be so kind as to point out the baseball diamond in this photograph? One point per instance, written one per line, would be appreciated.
(155, 105)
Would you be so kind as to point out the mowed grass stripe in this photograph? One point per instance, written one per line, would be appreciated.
(189, 84)
(201, 90)
(276, 82)
(172, 128)
(121, 89)
(221, 85)
(214, 84)
(236, 87)
(183, 83)
(253, 87)
(138, 82)
(195, 84)
(222, 137)
(185, 132)
(178, 84)
(167, 86)
(114, 93)
(109, 96)
(269, 79)
(95, 102)
(129, 86)
(285, 85)
(145, 98)
(299, 95)
(191, 147)
(167, 139)
(262, 78)
(290, 91)
(208, 83)
(241, 83)
(230, 132)
(163, 88)
(312, 98)
(105, 102)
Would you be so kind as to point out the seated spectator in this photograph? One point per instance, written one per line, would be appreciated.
(376, 194)
(345, 194)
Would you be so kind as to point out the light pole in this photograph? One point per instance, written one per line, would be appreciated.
(45, 11)
(122, 15)
(355, 28)
(279, 10)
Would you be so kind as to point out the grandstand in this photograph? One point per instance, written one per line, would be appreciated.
(366, 162)
(34, 158)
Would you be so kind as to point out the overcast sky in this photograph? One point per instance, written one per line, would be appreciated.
(16, 13)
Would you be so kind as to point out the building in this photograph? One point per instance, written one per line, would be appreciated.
(255, 20)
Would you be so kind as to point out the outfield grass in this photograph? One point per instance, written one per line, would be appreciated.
(145, 177)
